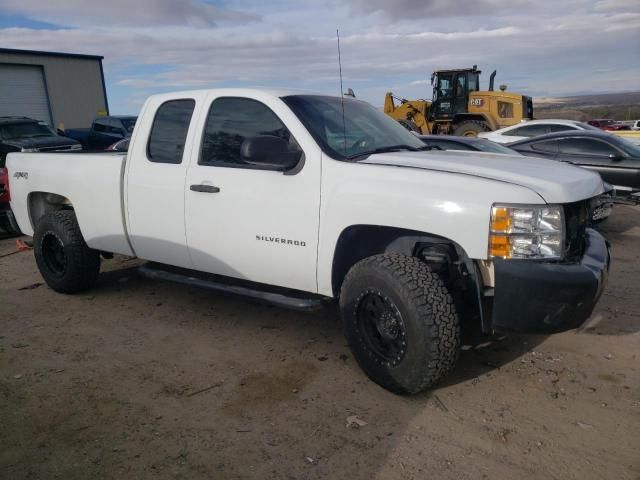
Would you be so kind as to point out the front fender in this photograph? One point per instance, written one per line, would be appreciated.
(449, 205)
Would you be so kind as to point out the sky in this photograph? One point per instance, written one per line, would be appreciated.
(542, 48)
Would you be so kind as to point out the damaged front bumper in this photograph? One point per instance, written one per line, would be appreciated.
(549, 297)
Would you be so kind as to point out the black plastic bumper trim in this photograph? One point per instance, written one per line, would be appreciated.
(546, 297)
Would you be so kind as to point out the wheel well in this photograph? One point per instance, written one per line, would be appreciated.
(41, 203)
(478, 117)
(361, 241)
(444, 256)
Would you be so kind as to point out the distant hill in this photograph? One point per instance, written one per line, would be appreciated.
(618, 106)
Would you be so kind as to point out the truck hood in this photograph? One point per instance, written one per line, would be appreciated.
(555, 182)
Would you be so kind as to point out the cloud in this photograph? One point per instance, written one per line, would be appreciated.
(397, 9)
(552, 52)
(140, 13)
(627, 6)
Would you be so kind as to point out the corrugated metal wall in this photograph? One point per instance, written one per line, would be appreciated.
(23, 92)
(74, 86)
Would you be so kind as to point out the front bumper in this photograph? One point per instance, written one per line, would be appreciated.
(546, 297)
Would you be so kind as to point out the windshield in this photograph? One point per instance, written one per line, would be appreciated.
(128, 123)
(25, 130)
(365, 129)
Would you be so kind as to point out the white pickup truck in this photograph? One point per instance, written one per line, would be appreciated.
(297, 199)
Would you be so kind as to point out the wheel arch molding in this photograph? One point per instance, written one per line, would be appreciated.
(442, 254)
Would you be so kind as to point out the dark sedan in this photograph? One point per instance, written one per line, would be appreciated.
(616, 159)
(475, 144)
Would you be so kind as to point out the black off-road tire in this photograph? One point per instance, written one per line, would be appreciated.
(471, 128)
(426, 312)
(74, 267)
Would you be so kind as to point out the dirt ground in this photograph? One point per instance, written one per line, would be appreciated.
(141, 379)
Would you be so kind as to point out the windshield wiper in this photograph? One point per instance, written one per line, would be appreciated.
(387, 149)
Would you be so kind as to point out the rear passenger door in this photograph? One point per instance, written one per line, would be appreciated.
(246, 221)
(156, 170)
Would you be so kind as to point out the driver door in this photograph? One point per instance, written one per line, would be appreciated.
(443, 96)
(460, 93)
(243, 221)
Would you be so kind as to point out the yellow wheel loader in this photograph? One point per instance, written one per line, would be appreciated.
(459, 107)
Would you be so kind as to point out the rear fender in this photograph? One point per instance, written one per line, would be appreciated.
(41, 203)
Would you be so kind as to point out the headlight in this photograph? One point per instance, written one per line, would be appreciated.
(29, 150)
(532, 232)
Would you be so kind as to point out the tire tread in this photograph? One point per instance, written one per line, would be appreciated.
(84, 261)
(427, 293)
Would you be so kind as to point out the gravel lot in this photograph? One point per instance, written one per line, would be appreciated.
(140, 379)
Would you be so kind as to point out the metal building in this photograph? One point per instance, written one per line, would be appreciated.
(58, 88)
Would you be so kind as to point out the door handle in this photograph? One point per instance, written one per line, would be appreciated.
(204, 188)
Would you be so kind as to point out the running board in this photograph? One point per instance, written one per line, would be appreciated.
(281, 297)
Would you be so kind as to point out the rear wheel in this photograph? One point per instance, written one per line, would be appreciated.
(471, 128)
(65, 261)
(400, 322)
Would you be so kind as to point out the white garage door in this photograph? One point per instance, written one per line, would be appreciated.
(23, 92)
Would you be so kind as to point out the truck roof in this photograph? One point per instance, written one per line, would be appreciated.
(239, 92)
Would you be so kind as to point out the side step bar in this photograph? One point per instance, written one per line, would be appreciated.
(281, 297)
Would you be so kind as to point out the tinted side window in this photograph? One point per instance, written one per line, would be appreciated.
(553, 128)
(169, 131)
(232, 120)
(529, 131)
(550, 146)
(585, 146)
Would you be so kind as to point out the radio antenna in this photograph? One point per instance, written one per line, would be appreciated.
(344, 125)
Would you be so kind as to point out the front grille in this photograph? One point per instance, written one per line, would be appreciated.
(576, 220)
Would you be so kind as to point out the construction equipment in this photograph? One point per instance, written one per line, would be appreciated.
(459, 107)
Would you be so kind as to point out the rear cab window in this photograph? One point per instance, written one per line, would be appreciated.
(101, 125)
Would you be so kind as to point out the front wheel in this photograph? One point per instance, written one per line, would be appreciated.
(400, 322)
(65, 261)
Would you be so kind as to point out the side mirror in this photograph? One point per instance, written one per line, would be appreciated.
(616, 157)
(269, 152)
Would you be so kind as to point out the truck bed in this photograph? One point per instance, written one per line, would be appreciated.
(92, 182)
